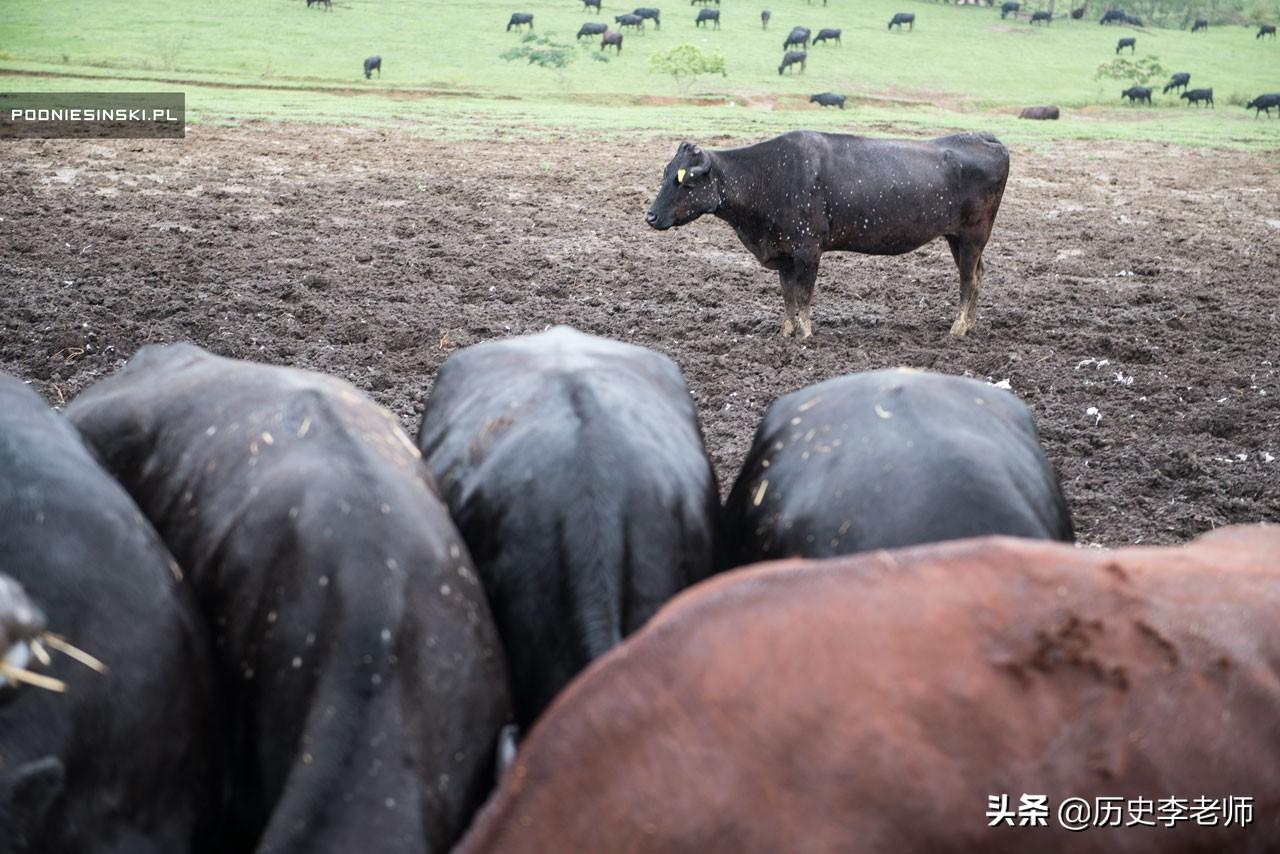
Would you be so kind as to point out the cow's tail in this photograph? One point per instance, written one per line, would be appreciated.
(594, 538)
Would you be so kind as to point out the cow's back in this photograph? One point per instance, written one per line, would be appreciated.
(874, 704)
(575, 469)
(126, 759)
(891, 458)
(340, 593)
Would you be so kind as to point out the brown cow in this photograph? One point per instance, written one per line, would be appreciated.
(1039, 113)
(876, 704)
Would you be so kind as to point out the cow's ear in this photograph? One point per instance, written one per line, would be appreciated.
(701, 162)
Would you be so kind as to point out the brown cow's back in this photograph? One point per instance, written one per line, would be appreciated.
(872, 704)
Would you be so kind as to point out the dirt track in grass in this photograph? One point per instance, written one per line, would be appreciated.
(1139, 280)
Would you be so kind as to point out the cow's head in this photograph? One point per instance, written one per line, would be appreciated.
(688, 190)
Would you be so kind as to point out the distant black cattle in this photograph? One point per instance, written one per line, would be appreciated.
(1178, 81)
(705, 15)
(797, 36)
(1200, 24)
(613, 40)
(827, 34)
(591, 4)
(372, 64)
(1047, 17)
(1047, 112)
(592, 29)
(891, 458)
(328, 4)
(1009, 7)
(764, 19)
(1130, 43)
(1113, 16)
(827, 99)
(576, 471)
(794, 197)
(650, 14)
(1266, 30)
(1137, 93)
(1133, 20)
(633, 21)
(1198, 96)
(350, 628)
(1264, 102)
(1077, 14)
(793, 57)
(520, 19)
(703, 2)
(908, 18)
(125, 760)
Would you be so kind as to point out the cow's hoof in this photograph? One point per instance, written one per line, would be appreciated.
(960, 327)
(788, 329)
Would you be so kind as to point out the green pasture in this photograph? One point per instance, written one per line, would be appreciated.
(962, 67)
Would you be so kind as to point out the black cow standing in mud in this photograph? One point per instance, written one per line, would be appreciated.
(791, 198)
(126, 760)
(891, 458)
(575, 468)
(362, 672)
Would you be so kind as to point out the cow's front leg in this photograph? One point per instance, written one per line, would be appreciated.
(798, 278)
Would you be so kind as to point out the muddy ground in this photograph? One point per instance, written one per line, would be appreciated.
(1139, 280)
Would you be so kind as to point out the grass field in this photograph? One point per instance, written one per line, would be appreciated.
(961, 67)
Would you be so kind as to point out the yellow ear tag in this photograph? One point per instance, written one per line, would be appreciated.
(679, 176)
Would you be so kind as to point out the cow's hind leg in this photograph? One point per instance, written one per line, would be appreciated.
(966, 249)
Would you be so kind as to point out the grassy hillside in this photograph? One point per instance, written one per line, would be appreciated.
(276, 58)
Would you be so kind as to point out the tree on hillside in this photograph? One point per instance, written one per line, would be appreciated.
(543, 52)
(1136, 71)
(685, 63)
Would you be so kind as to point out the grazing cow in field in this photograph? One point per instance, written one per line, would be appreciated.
(1009, 7)
(575, 468)
(1266, 30)
(791, 198)
(372, 64)
(1047, 17)
(363, 675)
(827, 99)
(859, 703)
(1264, 102)
(1078, 13)
(827, 34)
(705, 15)
(799, 36)
(1048, 112)
(1178, 81)
(1130, 43)
(328, 4)
(764, 19)
(520, 19)
(703, 2)
(592, 29)
(1113, 16)
(1198, 96)
(891, 458)
(589, 4)
(1137, 93)
(908, 18)
(613, 40)
(633, 21)
(650, 14)
(792, 58)
(1200, 24)
(1133, 20)
(127, 759)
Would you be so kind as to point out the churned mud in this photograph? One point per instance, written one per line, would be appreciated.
(1132, 296)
